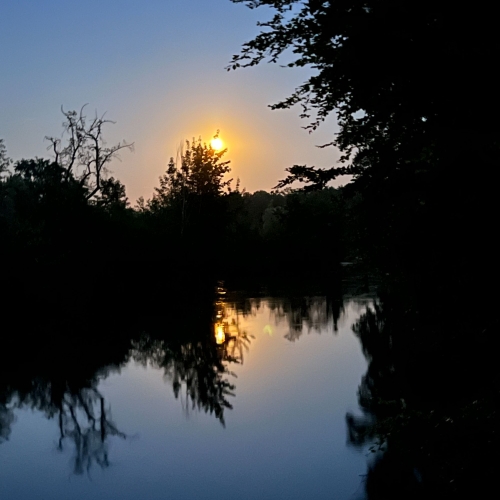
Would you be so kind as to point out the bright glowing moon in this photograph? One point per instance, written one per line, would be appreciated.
(216, 144)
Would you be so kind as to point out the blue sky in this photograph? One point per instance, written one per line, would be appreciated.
(157, 68)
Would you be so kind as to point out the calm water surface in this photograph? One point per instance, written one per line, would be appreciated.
(263, 418)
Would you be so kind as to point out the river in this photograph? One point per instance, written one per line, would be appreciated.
(258, 411)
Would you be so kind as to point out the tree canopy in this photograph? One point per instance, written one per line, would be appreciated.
(408, 81)
(200, 172)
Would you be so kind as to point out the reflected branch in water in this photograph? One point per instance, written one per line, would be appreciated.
(7, 418)
(84, 421)
(429, 398)
(232, 339)
(60, 380)
(299, 314)
(197, 366)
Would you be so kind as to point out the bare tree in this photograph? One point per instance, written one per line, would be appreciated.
(84, 155)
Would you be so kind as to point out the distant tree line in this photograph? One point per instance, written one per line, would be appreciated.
(66, 224)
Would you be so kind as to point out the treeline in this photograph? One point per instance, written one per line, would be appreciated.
(68, 228)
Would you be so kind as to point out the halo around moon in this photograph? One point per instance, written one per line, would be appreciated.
(216, 144)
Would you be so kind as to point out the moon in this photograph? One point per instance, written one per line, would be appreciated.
(216, 144)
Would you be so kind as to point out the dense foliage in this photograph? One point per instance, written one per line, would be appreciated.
(401, 77)
(414, 89)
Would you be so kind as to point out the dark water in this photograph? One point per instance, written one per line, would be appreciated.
(257, 410)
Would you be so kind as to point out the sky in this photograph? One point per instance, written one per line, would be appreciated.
(157, 69)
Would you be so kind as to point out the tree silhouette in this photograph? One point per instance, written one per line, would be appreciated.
(85, 155)
(188, 209)
(200, 172)
(392, 72)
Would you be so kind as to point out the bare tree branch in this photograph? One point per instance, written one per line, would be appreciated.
(84, 155)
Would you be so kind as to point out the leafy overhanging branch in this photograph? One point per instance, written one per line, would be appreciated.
(400, 76)
(318, 178)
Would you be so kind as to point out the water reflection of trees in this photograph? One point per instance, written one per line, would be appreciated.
(84, 420)
(6, 420)
(195, 343)
(232, 339)
(195, 369)
(198, 364)
(429, 400)
(81, 413)
(60, 379)
(298, 314)
(57, 372)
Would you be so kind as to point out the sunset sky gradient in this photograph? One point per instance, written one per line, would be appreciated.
(157, 68)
